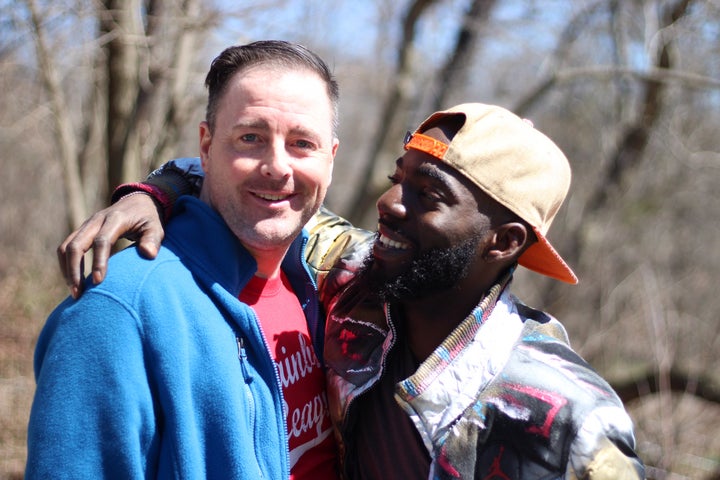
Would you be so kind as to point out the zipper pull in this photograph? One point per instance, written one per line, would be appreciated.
(242, 356)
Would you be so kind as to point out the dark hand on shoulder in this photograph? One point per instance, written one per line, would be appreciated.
(135, 217)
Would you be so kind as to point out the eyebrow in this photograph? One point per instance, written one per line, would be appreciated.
(256, 123)
(426, 170)
(262, 124)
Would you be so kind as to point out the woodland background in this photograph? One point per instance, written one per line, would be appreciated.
(99, 92)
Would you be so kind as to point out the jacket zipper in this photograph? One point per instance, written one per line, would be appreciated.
(242, 357)
(278, 383)
(348, 407)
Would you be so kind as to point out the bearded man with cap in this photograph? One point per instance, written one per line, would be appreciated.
(455, 377)
(435, 369)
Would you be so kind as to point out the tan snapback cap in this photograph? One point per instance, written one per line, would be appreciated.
(512, 162)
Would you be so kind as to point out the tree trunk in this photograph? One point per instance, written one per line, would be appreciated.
(395, 101)
(120, 20)
(64, 132)
(453, 72)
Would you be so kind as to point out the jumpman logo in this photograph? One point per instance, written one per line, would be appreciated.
(496, 472)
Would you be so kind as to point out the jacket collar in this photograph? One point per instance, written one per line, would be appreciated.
(202, 239)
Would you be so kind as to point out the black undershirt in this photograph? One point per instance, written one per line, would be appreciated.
(387, 445)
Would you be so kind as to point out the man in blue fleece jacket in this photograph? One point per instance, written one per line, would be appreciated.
(165, 370)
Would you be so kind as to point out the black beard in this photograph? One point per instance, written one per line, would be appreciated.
(434, 271)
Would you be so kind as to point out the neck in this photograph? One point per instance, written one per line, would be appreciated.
(430, 320)
(268, 263)
(268, 258)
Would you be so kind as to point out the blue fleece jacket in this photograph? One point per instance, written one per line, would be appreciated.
(160, 371)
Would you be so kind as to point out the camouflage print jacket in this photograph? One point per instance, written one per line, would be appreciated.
(503, 397)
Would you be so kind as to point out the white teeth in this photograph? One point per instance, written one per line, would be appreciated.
(392, 243)
(272, 198)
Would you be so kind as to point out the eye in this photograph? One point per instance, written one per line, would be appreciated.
(249, 137)
(431, 194)
(396, 177)
(305, 144)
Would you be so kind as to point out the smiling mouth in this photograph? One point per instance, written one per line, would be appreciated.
(386, 242)
(272, 197)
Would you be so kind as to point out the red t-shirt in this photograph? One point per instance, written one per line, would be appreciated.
(312, 445)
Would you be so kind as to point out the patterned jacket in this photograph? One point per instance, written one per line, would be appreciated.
(503, 397)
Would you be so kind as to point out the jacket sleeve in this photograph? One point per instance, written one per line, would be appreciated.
(335, 250)
(604, 448)
(182, 176)
(92, 415)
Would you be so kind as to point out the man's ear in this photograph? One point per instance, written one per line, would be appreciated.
(508, 242)
(335, 145)
(205, 141)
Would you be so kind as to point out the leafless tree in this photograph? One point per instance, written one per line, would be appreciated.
(390, 122)
(402, 99)
(137, 99)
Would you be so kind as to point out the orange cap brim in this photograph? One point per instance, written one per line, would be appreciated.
(542, 258)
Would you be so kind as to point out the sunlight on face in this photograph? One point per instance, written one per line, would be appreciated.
(269, 161)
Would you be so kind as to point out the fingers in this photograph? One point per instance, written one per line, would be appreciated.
(111, 230)
(149, 242)
(146, 227)
(134, 216)
(72, 250)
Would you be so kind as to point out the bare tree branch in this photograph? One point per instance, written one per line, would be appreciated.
(633, 139)
(64, 134)
(603, 73)
(396, 97)
(451, 74)
(649, 383)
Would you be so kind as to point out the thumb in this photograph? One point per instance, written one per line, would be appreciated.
(149, 244)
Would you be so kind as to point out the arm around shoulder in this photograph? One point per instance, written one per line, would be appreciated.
(178, 177)
(131, 216)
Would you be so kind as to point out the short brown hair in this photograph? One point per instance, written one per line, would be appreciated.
(271, 52)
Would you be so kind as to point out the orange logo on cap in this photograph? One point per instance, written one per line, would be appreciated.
(426, 144)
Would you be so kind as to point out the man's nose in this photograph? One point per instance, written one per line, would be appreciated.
(278, 163)
(390, 203)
